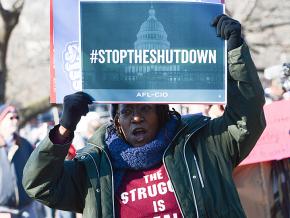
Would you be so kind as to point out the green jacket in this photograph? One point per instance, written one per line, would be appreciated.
(199, 161)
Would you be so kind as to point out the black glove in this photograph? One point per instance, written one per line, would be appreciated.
(229, 29)
(74, 106)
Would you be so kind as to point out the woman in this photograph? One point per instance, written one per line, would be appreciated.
(150, 162)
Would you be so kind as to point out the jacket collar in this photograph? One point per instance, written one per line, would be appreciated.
(193, 122)
(99, 137)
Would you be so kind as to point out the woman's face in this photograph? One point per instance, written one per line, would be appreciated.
(138, 123)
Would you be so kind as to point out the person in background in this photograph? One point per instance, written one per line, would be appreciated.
(14, 153)
(150, 161)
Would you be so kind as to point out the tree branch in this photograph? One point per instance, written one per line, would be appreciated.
(33, 110)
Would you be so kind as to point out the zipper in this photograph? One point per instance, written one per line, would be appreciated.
(187, 168)
(190, 179)
(113, 200)
(113, 194)
(198, 171)
(163, 160)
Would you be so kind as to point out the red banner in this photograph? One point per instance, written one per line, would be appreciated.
(274, 144)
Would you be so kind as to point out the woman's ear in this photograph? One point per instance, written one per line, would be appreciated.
(116, 121)
(117, 124)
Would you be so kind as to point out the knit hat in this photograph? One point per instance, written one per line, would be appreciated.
(5, 109)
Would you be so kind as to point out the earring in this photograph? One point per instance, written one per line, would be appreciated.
(117, 126)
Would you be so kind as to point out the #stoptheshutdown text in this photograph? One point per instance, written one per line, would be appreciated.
(160, 56)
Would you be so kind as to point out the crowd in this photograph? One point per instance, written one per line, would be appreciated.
(16, 146)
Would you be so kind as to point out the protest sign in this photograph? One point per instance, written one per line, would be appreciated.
(65, 74)
(274, 143)
(190, 59)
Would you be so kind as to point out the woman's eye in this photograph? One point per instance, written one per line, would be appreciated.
(126, 112)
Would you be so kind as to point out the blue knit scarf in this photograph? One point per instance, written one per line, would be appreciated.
(124, 156)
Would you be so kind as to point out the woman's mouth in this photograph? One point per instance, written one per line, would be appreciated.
(139, 134)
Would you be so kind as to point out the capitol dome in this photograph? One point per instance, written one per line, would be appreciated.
(152, 34)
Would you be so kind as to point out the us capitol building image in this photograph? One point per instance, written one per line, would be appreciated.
(162, 76)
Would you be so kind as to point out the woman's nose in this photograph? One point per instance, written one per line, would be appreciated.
(137, 118)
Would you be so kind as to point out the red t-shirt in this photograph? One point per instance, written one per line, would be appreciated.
(147, 193)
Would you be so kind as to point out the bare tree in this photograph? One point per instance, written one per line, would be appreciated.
(9, 15)
(266, 27)
(27, 113)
